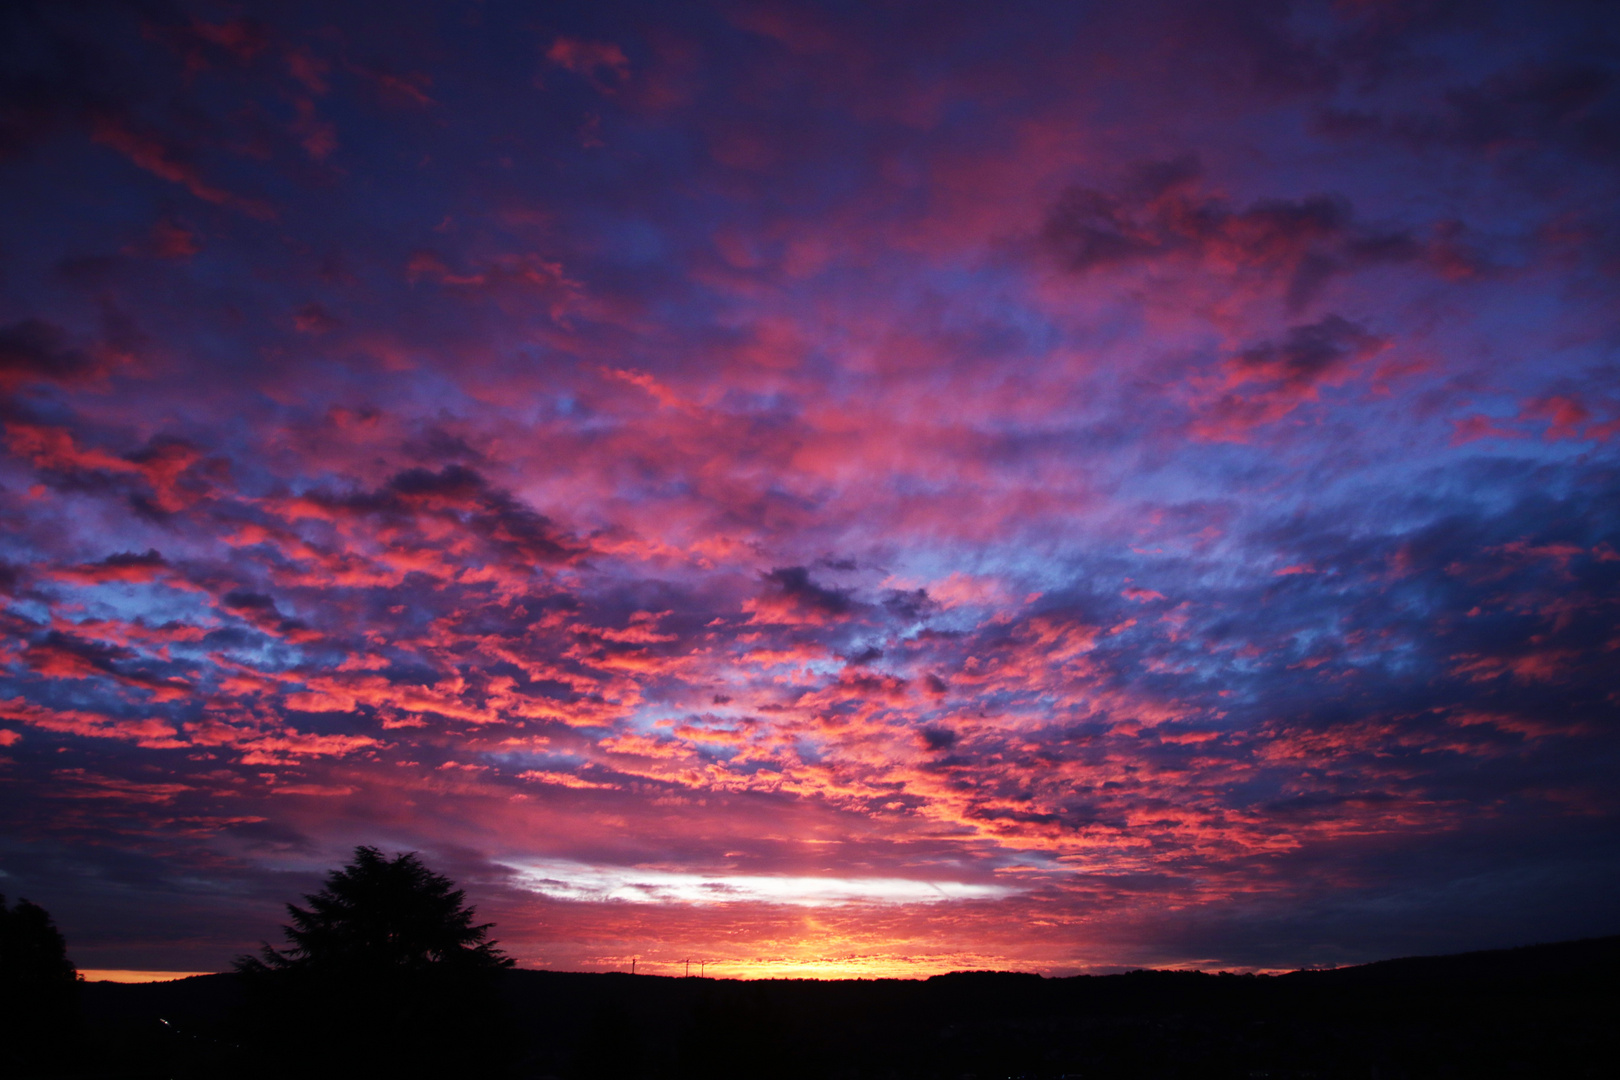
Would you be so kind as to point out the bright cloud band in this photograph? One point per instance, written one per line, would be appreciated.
(580, 882)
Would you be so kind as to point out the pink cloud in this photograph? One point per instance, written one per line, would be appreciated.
(157, 157)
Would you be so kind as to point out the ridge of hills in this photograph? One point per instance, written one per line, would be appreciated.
(1533, 1011)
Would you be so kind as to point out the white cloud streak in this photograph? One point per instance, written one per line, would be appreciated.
(563, 880)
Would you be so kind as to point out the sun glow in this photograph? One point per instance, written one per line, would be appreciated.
(816, 963)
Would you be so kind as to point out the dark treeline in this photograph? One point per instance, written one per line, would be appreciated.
(1535, 1012)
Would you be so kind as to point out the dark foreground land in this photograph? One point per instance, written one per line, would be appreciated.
(1542, 1011)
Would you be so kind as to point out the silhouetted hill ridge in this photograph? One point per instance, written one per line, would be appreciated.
(1532, 1011)
(1596, 959)
(1586, 958)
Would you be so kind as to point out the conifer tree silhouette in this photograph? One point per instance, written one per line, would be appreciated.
(380, 915)
(384, 973)
(38, 990)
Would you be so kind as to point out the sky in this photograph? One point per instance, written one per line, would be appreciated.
(841, 489)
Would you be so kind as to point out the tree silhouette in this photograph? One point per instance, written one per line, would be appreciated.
(38, 989)
(381, 915)
(384, 973)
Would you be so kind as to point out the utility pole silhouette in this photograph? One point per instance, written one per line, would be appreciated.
(702, 966)
(632, 965)
(688, 968)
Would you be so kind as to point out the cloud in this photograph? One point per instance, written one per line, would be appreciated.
(791, 596)
(148, 732)
(601, 61)
(158, 157)
(120, 566)
(454, 495)
(1572, 103)
(583, 882)
(1267, 382)
(34, 350)
(1163, 216)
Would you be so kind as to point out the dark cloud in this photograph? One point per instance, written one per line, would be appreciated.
(1534, 104)
(67, 653)
(1537, 108)
(460, 494)
(120, 566)
(315, 319)
(52, 75)
(1162, 216)
(1308, 354)
(791, 589)
(908, 604)
(34, 350)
